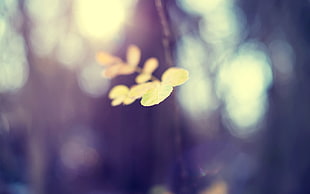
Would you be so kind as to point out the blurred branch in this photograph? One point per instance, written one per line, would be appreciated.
(166, 40)
(166, 32)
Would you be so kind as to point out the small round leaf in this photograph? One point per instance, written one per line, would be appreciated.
(133, 55)
(112, 71)
(138, 91)
(156, 95)
(143, 77)
(118, 91)
(126, 69)
(117, 101)
(106, 59)
(150, 65)
(175, 76)
(128, 100)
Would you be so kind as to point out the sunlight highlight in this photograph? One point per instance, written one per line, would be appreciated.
(99, 19)
(44, 39)
(243, 83)
(2, 27)
(13, 65)
(44, 11)
(222, 26)
(91, 82)
(203, 6)
(70, 50)
(191, 55)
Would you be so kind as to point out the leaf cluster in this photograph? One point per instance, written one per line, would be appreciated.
(148, 88)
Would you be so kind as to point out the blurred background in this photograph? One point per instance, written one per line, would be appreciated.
(240, 125)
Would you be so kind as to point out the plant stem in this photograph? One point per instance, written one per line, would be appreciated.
(166, 32)
(168, 57)
(153, 78)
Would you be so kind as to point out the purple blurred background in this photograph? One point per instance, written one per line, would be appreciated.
(240, 124)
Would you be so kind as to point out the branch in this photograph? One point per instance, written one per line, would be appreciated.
(166, 32)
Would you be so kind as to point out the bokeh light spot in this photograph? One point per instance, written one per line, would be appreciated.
(12, 76)
(13, 69)
(159, 189)
(44, 39)
(9, 6)
(91, 81)
(99, 19)
(195, 95)
(243, 83)
(39, 11)
(223, 26)
(218, 187)
(2, 27)
(70, 50)
(202, 7)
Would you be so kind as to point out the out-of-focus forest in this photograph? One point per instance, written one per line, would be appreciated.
(240, 125)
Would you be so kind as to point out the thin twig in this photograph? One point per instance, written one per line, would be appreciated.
(166, 32)
(169, 61)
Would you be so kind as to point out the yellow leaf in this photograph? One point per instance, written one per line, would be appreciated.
(106, 59)
(138, 91)
(150, 65)
(112, 71)
(128, 100)
(120, 94)
(133, 55)
(117, 101)
(118, 91)
(143, 77)
(126, 69)
(174, 76)
(156, 95)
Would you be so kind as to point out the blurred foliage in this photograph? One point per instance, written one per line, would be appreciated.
(153, 92)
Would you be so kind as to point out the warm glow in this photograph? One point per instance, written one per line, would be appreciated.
(100, 19)
(196, 95)
(203, 6)
(13, 65)
(219, 187)
(243, 84)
